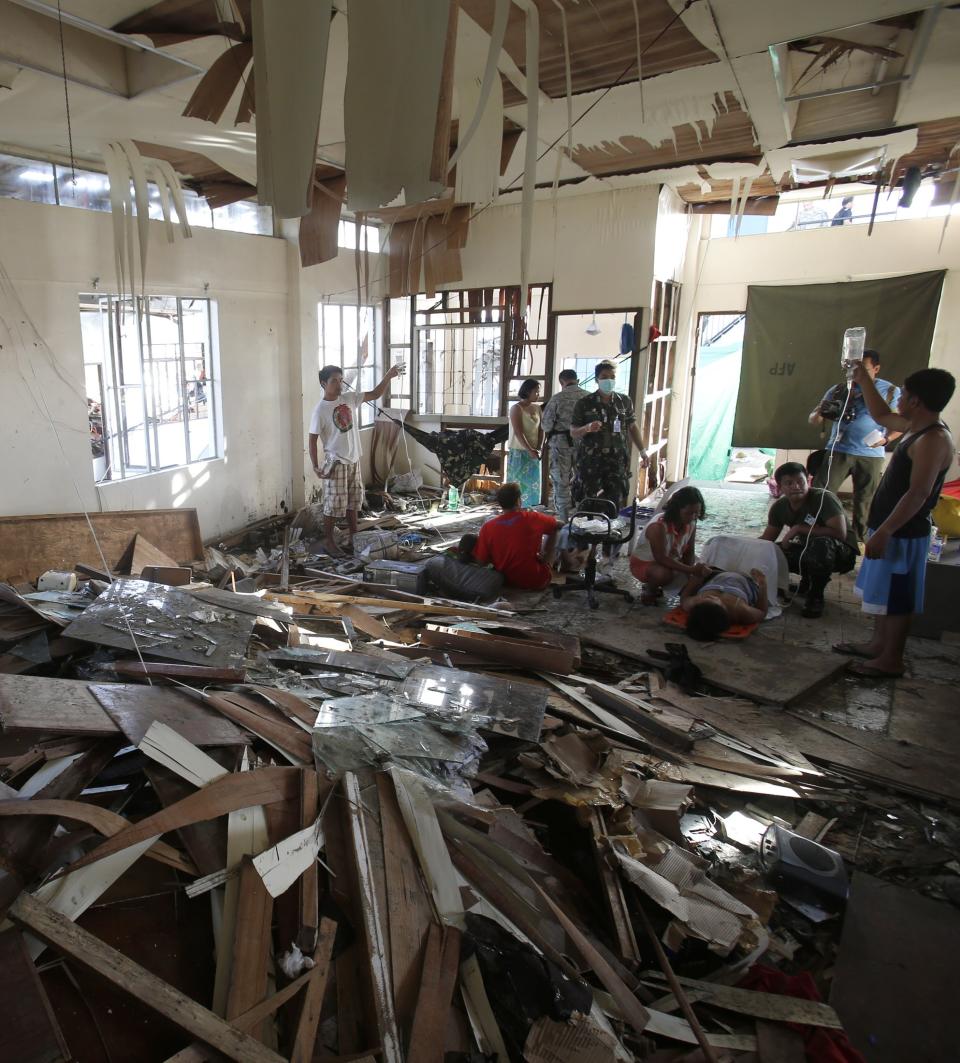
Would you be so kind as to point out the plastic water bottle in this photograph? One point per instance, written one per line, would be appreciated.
(936, 545)
(453, 499)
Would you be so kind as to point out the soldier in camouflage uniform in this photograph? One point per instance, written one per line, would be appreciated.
(556, 425)
(602, 424)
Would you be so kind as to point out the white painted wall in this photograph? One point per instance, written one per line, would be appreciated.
(51, 255)
(597, 249)
(717, 273)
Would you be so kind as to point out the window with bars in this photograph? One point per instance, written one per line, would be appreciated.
(350, 338)
(152, 382)
(46, 182)
(469, 350)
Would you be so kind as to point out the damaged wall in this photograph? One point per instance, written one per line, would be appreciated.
(52, 254)
(718, 272)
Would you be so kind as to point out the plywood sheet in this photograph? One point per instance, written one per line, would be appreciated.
(894, 984)
(55, 706)
(31, 545)
(758, 668)
(133, 708)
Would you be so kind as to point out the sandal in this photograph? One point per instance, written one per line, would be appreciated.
(866, 671)
(850, 649)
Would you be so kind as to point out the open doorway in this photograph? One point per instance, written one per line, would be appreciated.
(716, 383)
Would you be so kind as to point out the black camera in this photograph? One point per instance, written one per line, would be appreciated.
(831, 408)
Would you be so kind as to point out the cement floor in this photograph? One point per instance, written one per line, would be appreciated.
(741, 509)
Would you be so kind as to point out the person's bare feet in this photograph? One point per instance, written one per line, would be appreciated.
(877, 668)
(332, 549)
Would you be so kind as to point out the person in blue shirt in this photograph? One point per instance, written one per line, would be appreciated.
(859, 441)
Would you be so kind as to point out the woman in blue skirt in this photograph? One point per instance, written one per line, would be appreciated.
(523, 455)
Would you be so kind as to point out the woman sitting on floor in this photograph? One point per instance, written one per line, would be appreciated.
(666, 547)
(718, 601)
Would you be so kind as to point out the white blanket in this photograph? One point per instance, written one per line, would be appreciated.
(735, 553)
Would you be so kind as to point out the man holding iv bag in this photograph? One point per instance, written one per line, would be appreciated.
(856, 440)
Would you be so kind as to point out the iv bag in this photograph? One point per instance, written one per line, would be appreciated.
(854, 340)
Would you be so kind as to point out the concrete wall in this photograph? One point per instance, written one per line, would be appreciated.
(51, 255)
(596, 248)
(717, 273)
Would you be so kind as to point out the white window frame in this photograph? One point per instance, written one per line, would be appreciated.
(331, 348)
(116, 413)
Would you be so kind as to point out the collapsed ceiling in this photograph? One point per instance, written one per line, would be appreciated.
(753, 95)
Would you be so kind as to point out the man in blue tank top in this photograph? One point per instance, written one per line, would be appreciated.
(890, 581)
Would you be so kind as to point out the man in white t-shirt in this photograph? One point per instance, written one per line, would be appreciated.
(335, 424)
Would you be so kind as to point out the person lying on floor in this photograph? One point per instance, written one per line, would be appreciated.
(719, 600)
(665, 549)
(519, 543)
(457, 574)
(817, 543)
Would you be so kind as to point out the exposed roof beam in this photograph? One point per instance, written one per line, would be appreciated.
(95, 57)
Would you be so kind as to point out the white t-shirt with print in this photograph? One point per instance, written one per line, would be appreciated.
(335, 422)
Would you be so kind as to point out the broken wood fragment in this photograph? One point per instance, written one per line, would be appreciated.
(88, 950)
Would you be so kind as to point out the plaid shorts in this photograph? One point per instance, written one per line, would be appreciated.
(343, 489)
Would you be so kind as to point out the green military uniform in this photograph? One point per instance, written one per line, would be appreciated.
(602, 459)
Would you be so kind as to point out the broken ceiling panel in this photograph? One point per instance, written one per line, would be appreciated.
(390, 107)
(92, 56)
(290, 54)
(602, 43)
(933, 90)
(842, 157)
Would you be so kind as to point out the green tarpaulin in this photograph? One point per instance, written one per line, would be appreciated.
(792, 342)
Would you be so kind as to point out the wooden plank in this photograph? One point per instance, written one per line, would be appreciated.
(894, 983)
(54, 706)
(206, 841)
(309, 883)
(759, 668)
(163, 745)
(22, 843)
(251, 945)
(409, 916)
(441, 960)
(226, 794)
(292, 741)
(91, 952)
(199, 1053)
(30, 545)
(305, 1036)
(329, 603)
(103, 821)
(133, 708)
(373, 922)
(613, 893)
(173, 670)
(371, 626)
(519, 652)
(29, 1032)
(141, 553)
(639, 714)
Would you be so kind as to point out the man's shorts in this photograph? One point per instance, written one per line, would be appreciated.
(343, 489)
(892, 585)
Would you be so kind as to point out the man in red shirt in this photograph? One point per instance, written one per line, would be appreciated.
(513, 542)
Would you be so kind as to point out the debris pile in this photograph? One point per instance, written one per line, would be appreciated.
(320, 820)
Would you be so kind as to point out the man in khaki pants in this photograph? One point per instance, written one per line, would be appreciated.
(859, 441)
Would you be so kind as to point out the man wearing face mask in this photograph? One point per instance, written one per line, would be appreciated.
(602, 425)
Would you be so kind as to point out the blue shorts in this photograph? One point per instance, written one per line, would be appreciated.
(893, 584)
